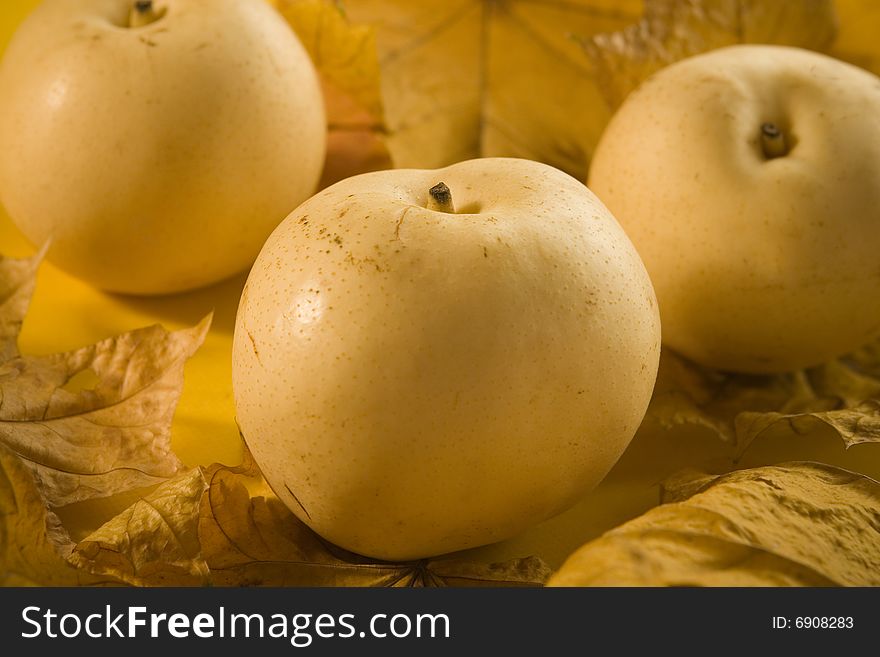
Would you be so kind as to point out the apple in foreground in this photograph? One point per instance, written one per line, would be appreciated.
(156, 145)
(426, 361)
(748, 179)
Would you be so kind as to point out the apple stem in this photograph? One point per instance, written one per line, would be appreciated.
(144, 12)
(440, 198)
(772, 141)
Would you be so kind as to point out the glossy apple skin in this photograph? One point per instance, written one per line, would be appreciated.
(414, 382)
(760, 265)
(159, 158)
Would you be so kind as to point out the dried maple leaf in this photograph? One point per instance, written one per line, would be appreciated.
(841, 394)
(471, 78)
(475, 78)
(671, 30)
(346, 59)
(204, 527)
(112, 436)
(795, 524)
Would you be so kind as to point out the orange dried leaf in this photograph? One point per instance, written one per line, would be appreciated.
(346, 59)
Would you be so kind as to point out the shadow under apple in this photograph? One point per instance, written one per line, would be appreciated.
(190, 307)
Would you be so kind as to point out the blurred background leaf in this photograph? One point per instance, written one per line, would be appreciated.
(671, 30)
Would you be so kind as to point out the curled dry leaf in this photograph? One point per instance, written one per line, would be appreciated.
(671, 30)
(795, 524)
(33, 545)
(97, 421)
(18, 276)
(256, 541)
(346, 59)
(841, 394)
(154, 542)
(205, 527)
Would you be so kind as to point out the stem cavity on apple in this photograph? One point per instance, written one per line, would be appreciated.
(773, 141)
(144, 12)
(440, 198)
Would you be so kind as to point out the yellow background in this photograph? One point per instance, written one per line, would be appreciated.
(67, 314)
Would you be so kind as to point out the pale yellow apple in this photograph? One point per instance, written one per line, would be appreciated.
(156, 148)
(417, 375)
(762, 247)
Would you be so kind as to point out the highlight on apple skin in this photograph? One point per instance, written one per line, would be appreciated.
(748, 179)
(156, 144)
(426, 361)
